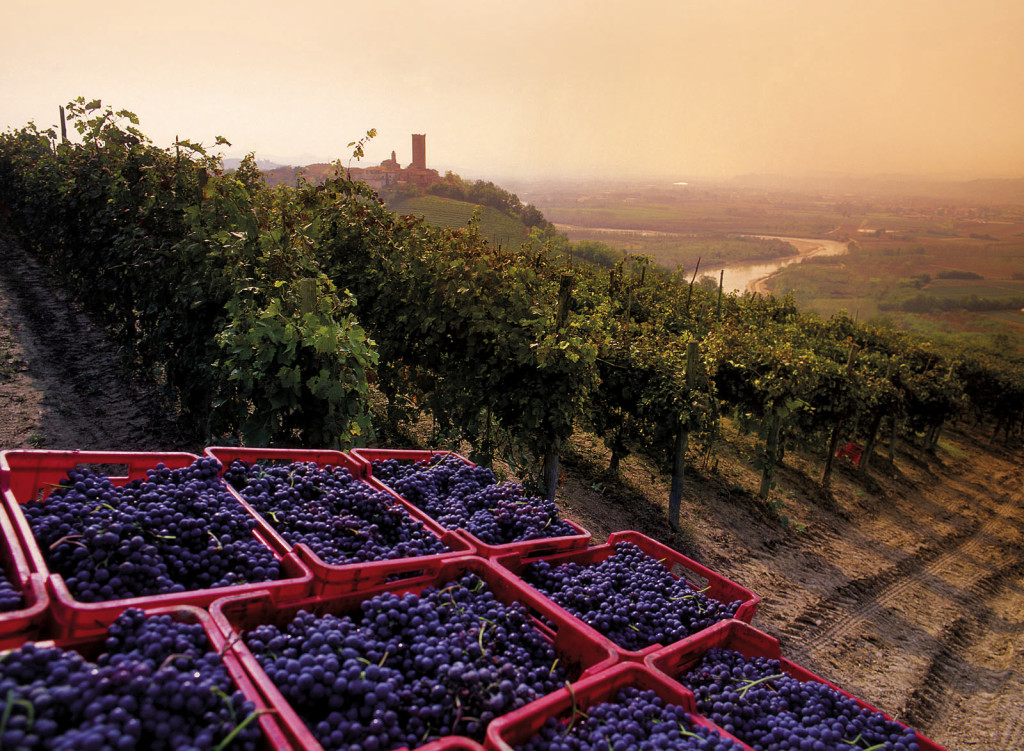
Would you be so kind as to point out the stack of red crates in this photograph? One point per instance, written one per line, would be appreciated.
(599, 667)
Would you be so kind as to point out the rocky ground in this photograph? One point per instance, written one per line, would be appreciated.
(904, 586)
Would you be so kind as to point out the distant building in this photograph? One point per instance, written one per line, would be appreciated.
(390, 174)
(419, 151)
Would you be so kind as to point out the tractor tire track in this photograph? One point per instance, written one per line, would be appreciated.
(957, 579)
(863, 599)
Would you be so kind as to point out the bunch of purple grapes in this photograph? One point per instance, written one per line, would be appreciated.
(176, 530)
(10, 596)
(340, 518)
(458, 496)
(156, 686)
(408, 669)
(636, 719)
(753, 699)
(629, 597)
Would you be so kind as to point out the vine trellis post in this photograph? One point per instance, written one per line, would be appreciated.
(682, 439)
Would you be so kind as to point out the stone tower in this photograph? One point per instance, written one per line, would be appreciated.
(419, 151)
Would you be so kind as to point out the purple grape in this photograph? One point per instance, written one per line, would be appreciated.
(341, 519)
(10, 596)
(174, 531)
(753, 699)
(155, 686)
(629, 597)
(407, 669)
(459, 495)
(636, 719)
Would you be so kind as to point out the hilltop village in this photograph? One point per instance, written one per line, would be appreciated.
(389, 175)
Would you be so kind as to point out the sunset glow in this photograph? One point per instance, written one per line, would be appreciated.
(671, 88)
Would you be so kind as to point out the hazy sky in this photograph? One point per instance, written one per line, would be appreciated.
(542, 88)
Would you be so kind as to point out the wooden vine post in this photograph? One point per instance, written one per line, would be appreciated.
(826, 475)
(771, 451)
(935, 429)
(618, 443)
(689, 294)
(307, 296)
(876, 423)
(682, 439)
(551, 451)
(718, 305)
(893, 435)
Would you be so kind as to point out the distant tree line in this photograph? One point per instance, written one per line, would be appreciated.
(923, 303)
(486, 193)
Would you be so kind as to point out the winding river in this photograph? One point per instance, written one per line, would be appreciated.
(751, 277)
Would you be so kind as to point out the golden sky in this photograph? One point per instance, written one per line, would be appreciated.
(547, 88)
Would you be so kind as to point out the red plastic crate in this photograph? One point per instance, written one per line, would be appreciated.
(90, 645)
(452, 743)
(234, 615)
(30, 475)
(715, 585)
(30, 620)
(322, 457)
(516, 728)
(740, 637)
(527, 548)
(344, 576)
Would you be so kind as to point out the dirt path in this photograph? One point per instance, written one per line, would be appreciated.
(905, 587)
(59, 378)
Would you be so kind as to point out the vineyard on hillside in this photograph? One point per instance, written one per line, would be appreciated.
(496, 227)
(315, 317)
(842, 587)
(265, 315)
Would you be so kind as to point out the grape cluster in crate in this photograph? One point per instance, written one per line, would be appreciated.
(273, 598)
(341, 519)
(466, 496)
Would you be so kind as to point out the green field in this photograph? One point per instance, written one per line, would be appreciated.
(904, 245)
(674, 250)
(498, 228)
(688, 211)
(993, 288)
(874, 280)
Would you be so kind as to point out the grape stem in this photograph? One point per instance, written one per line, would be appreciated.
(576, 711)
(169, 659)
(751, 684)
(686, 733)
(234, 637)
(69, 538)
(227, 700)
(859, 738)
(239, 728)
(9, 703)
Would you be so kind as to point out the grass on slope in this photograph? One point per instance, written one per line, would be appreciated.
(498, 228)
